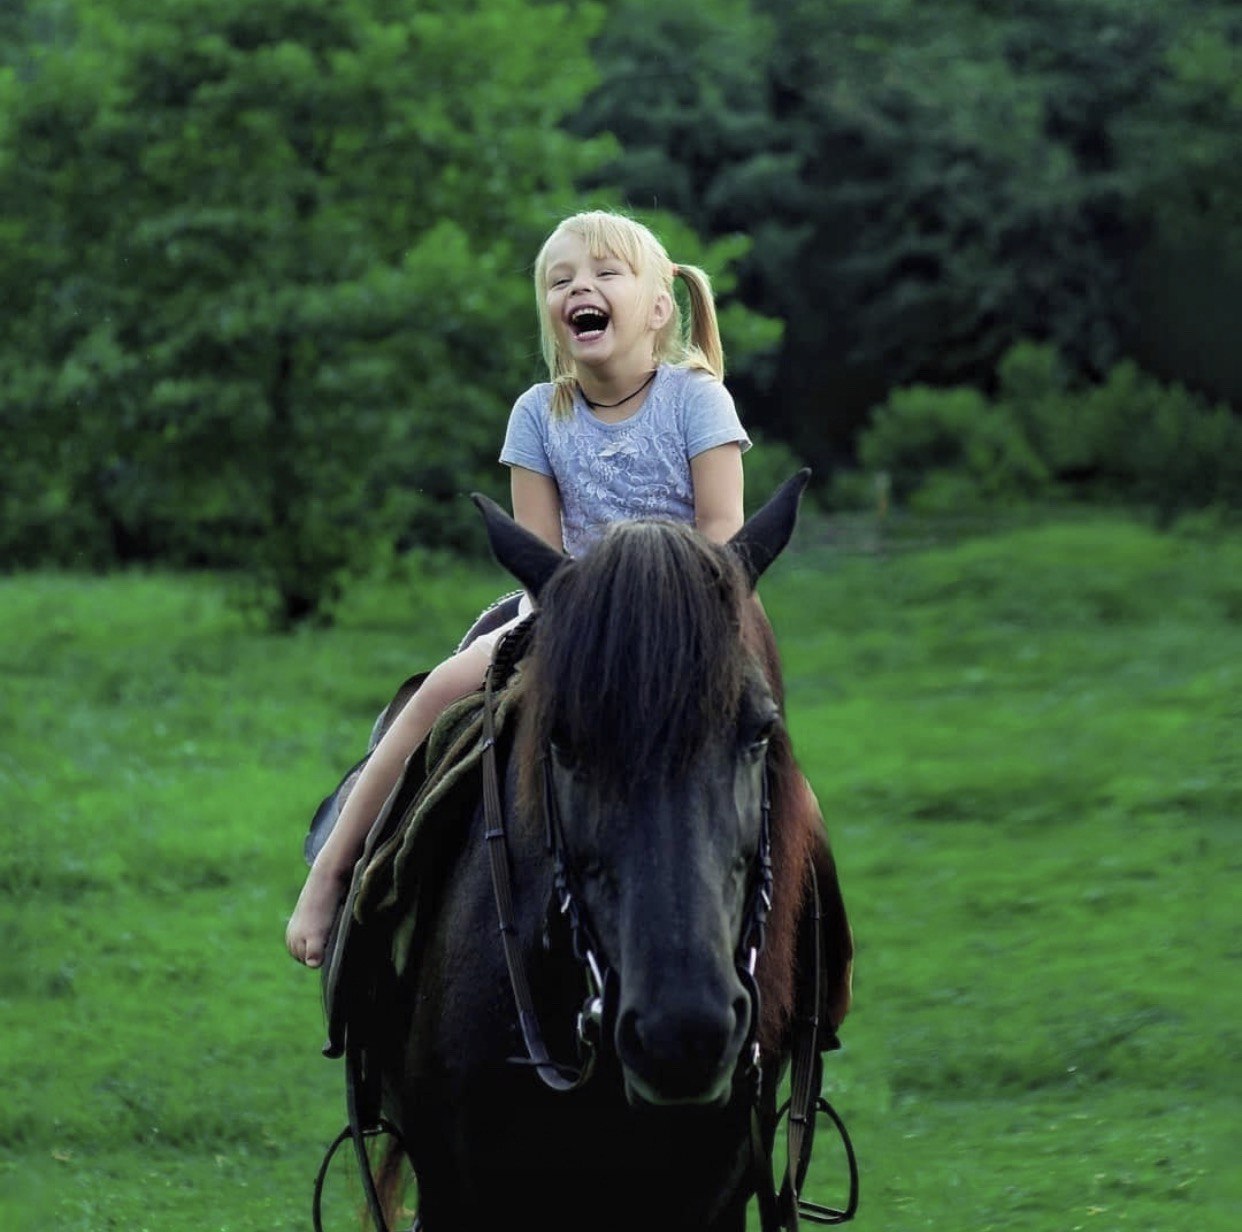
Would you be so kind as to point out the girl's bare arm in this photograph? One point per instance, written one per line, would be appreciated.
(537, 504)
(717, 475)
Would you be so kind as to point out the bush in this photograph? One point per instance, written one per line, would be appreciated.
(1160, 445)
(919, 432)
(1128, 439)
(1033, 385)
(768, 465)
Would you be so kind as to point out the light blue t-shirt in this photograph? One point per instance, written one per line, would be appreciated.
(638, 468)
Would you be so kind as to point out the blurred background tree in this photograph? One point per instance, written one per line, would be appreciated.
(267, 265)
(926, 185)
(263, 261)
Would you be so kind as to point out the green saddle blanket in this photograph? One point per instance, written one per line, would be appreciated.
(391, 873)
(439, 786)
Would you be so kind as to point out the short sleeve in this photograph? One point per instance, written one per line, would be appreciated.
(711, 418)
(524, 438)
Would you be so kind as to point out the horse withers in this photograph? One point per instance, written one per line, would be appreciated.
(574, 1025)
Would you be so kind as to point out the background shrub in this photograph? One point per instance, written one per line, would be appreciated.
(920, 432)
(1130, 439)
(1159, 445)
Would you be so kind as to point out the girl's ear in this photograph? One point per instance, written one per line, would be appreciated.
(661, 310)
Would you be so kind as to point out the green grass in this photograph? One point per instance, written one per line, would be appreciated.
(1029, 750)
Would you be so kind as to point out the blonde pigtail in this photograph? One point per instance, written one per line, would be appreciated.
(560, 372)
(563, 387)
(704, 348)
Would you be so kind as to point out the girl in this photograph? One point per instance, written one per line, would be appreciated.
(634, 422)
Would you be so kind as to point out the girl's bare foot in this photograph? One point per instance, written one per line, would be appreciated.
(307, 933)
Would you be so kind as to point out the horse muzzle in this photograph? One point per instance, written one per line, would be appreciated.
(683, 1053)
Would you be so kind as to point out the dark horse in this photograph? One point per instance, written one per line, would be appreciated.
(657, 838)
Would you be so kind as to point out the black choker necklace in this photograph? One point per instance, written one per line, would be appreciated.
(608, 406)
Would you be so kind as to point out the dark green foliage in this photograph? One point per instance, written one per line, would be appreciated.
(268, 268)
(928, 184)
(1129, 438)
(768, 465)
(950, 446)
(1160, 445)
(265, 265)
(1032, 381)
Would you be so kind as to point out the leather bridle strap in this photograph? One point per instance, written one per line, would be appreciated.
(806, 1102)
(553, 1075)
(779, 1213)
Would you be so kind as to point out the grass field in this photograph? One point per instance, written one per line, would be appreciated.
(1029, 748)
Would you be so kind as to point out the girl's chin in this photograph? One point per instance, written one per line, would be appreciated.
(583, 345)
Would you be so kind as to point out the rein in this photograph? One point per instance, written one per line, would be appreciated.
(555, 1076)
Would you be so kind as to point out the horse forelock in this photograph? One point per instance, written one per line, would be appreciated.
(638, 658)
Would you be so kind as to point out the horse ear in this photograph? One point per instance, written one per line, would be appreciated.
(525, 555)
(766, 532)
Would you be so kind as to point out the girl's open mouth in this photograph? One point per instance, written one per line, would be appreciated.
(588, 323)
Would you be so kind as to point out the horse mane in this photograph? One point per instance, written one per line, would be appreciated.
(641, 646)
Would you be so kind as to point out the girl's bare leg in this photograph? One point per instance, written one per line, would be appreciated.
(329, 877)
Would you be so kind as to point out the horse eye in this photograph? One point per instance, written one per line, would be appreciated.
(757, 748)
(758, 723)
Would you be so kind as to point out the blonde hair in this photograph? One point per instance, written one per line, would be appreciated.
(693, 344)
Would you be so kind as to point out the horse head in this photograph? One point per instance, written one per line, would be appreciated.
(643, 742)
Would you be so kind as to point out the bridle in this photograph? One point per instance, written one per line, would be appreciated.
(585, 947)
(601, 979)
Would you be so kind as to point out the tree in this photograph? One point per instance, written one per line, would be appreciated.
(1185, 142)
(683, 91)
(924, 184)
(269, 267)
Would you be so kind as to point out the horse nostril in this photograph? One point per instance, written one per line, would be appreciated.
(741, 1017)
(629, 1040)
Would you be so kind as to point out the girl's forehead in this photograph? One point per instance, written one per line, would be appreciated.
(568, 247)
